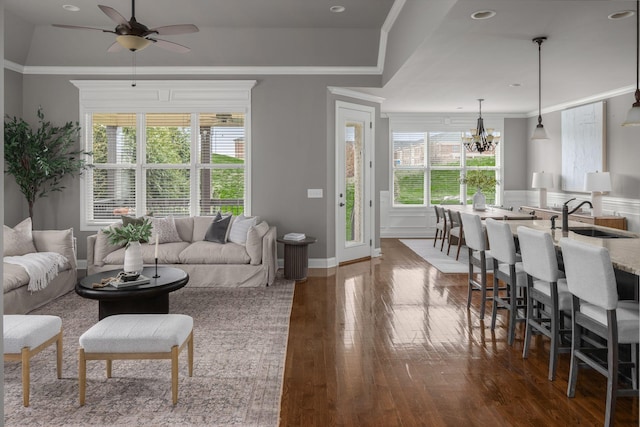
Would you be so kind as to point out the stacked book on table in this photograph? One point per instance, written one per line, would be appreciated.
(141, 280)
(295, 236)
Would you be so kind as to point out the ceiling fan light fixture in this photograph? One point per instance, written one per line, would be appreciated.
(133, 43)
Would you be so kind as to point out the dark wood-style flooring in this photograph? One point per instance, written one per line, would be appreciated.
(390, 342)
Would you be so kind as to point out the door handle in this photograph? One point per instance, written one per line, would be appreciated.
(340, 204)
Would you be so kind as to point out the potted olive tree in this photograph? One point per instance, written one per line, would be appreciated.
(40, 158)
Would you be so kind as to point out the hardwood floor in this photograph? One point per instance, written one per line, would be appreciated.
(389, 342)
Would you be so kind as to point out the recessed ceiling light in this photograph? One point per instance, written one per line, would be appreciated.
(515, 85)
(70, 8)
(621, 15)
(337, 9)
(483, 14)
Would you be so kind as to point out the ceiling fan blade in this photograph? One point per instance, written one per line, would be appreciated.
(115, 47)
(174, 47)
(76, 27)
(114, 15)
(171, 30)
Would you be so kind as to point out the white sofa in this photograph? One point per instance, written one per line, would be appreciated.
(17, 298)
(208, 264)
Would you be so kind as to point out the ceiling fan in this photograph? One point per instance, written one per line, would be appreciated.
(134, 36)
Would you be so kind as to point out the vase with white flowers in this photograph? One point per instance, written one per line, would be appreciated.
(131, 235)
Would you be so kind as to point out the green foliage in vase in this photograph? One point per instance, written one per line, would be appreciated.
(129, 233)
(484, 180)
(40, 158)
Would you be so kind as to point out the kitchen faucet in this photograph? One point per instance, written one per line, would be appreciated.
(566, 212)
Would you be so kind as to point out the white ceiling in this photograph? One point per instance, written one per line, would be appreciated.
(460, 59)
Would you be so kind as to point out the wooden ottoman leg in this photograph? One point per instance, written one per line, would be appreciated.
(109, 366)
(59, 354)
(25, 376)
(174, 373)
(82, 375)
(190, 353)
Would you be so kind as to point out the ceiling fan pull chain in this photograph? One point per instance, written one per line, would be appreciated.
(133, 77)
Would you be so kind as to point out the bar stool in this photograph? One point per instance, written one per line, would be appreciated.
(596, 309)
(547, 293)
(478, 257)
(506, 268)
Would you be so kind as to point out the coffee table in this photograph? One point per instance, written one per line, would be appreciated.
(150, 298)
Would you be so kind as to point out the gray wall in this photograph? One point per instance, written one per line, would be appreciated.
(515, 154)
(622, 149)
(15, 207)
(292, 150)
(382, 166)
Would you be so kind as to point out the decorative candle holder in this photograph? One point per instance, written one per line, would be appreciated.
(155, 276)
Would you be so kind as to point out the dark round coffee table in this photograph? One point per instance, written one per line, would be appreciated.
(150, 298)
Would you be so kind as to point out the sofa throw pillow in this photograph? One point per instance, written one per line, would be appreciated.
(60, 241)
(126, 220)
(19, 239)
(254, 241)
(240, 227)
(102, 248)
(164, 229)
(217, 231)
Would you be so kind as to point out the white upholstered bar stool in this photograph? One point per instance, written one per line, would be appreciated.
(478, 257)
(596, 309)
(548, 297)
(137, 336)
(507, 269)
(25, 335)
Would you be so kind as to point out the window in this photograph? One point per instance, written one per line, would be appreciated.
(162, 158)
(427, 168)
(160, 183)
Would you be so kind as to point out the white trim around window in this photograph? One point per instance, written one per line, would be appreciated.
(164, 96)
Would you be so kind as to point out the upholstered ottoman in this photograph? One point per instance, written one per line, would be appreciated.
(137, 336)
(26, 335)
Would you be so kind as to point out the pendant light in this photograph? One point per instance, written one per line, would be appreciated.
(633, 116)
(539, 133)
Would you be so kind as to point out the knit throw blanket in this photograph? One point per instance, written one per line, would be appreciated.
(42, 267)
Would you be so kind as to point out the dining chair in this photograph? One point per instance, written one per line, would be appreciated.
(446, 224)
(455, 230)
(441, 225)
(548, 297)
(508, 269)
(597, 310)
(478, 257)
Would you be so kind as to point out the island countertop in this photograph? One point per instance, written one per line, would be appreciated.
(624, 252)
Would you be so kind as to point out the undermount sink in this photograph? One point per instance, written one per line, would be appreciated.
(601, 234)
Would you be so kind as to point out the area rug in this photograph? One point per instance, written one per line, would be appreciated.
(445, 264)
(240, 338)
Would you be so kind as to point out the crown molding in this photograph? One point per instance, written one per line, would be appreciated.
(396, 8)
(355, 94)
(582, 101)
(199, 71)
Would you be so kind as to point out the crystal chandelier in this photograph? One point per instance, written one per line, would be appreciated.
(481, 139)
